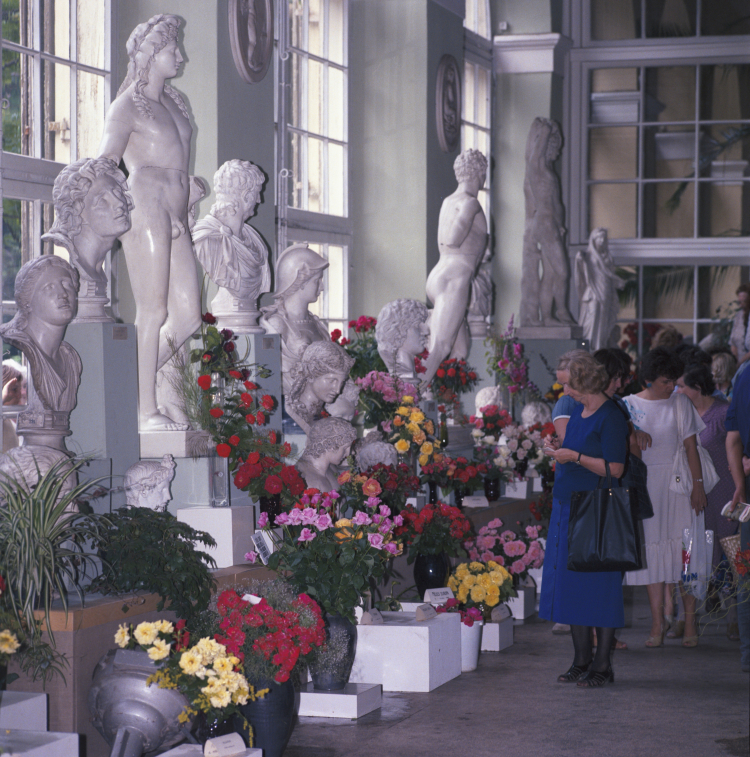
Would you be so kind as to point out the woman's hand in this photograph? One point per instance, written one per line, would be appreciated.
(698, 498)
(643, 440)
(561, 455)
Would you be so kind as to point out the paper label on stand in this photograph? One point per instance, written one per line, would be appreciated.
(500, 613)
(372, 618)
(263, 545)
(425, 612)
(438, 596)
(225, 746)
(478, 501)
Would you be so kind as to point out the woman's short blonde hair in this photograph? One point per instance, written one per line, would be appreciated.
(565, 358)
(587, 375)
(723, 367)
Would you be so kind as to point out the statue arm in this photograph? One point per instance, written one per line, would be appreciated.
(461, 225)
(117, 131)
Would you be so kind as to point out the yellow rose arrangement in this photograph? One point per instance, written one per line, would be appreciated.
(411, 431)
(481, 585)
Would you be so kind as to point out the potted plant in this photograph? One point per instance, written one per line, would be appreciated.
(487, 430)
(432, 534)
(332, 559)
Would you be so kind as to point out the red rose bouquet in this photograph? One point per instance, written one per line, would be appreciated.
(363, 348)
(433, 530)
(453, 378)
(267, 475)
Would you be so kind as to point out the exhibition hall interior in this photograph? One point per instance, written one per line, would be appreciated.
(374, 378)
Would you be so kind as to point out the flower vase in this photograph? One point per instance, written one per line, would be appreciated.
(271, 718)
(331, 666)
(432, 492)
(271, 505)
(218, 481)
(458, 497)
(431, 572)
(492, 489)
(209, 727)
(471, 643)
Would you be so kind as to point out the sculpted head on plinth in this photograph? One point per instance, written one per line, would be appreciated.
(147, 483)
(402, 332)
(374, 451)
(299, 274)
(470, 165)
(328, 443)
(237, 185)
(345, 405)
(488, 395)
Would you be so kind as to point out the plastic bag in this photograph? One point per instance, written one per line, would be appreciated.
(697, 557)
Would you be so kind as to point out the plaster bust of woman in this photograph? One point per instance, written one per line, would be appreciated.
(233, 252)
(317, 379)
(147, 483)
(45, 292)
(92, 209)
(299, 279)
(25, 465)
(401, 333)
(328, 443)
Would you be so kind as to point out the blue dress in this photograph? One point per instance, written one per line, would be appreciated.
(582, 599)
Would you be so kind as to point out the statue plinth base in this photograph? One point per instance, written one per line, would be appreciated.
(155, 444)
(562, 331)
(92, 302)
(236, 314)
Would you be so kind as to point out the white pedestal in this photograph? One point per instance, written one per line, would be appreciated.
(519, 489)
(196, 750)
(406, 655)
(39, 743)
(536, 485)
(27, 712)
(497, 636)
(155, 444)
(536, 574)
(522, 606)
(231, 527)
(353, 701)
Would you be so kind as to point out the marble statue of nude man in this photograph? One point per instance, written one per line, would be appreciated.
(148, 127)
(462, 240)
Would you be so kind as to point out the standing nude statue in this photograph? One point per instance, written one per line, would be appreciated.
(544, 233)
(148, 127)
(462, 239)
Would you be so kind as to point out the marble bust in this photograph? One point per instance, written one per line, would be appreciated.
(488, 395)
(462, 241)
(373, 450)
(328, 443)
(402, 332)
(92, 209)
(346, 404)
(233, 252)
(148, 127)
(45, 293)
(317, 379)
(543, 299)
(299, 279)
(147, 483)
(25, 465)
(599, 304)
(535, 412)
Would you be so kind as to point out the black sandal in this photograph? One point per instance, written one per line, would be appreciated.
(595, 679)
(574, 673)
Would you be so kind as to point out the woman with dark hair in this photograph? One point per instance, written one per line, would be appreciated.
(698, 386)
(671, 420)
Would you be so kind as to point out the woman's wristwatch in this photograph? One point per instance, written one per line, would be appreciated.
(578, 462)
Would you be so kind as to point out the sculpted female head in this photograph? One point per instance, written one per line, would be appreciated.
(323, 369)
(147, 483)
(401, 333)
(329, 435)
(296, 267)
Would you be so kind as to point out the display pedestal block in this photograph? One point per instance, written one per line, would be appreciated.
(156, 444)
(406, 655)
(536, 574)
(497, 636)
(25, 711)
(39, 743)
(519, 489)
(231, 527)
(196, 750)
(522, 606)
(353, 701)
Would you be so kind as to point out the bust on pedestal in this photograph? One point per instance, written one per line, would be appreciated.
(233, 252)
(147, 483)
(328, 443)
(402, 332)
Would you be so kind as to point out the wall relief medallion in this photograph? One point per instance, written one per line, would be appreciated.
(251, 36)
(448, 103)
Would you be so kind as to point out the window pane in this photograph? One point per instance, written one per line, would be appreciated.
(56, 112)
(722, 90)
(336, 31)
(613, 206)
(669, 152)
(298, 84)
(673, 91)
(315, 28)
(614, 80)
(297, 145)
(665, 19)
(483, 96)
(17, 90)
(336, 278)
(468, 93)
(668, 209)
(297, 24)
(314, 97)
(724, 18)
(336, 100)
(722, 209)
(613, 153)
(12, 20)
(628, 295)
(91, 28)
(716, 289)
(336, 179)
(614, 19)
(55, 30)
(90, 106)
(314, 175)
(668, 293)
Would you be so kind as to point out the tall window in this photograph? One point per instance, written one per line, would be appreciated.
(313, 141)
(658, 97)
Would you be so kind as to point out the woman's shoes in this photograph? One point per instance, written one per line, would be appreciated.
(677, 631)
(594, 679)
(574, 673)
(733, 632)
(689, 642)
(655, 641)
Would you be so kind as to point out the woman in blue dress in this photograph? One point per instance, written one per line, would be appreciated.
(597, 432)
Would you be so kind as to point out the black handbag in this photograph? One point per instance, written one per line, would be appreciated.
(636, 479)
(602, 531)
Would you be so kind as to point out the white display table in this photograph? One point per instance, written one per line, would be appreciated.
(353, 701)
(231, 527)
(497, 636)
(22, 710)
(39, 743)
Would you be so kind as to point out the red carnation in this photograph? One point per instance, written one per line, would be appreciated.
(250, 386)
(216, 412)
(260, 417)
(472, 375)
(451, 372)
(267, 402)
(273, 485)
(204, 382)
(250, 418)
(228, 346)
(223, 450)
(272, 437)
(253, 458)
(246, 399)
(440, 373)
(234, 440)
(207, 357)
(335, 335)
(289, 474)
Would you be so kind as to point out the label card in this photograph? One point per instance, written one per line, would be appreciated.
(438, 596)
(500, 613)
(425, 612)
(225, 746)
(528, 583)
(478, 501)
(372, 618)
(263, 545)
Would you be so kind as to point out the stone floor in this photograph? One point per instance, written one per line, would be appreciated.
(666, 702)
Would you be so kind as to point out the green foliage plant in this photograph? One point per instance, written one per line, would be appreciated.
(145, 550)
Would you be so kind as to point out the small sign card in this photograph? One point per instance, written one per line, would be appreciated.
(528, 583)
(477, 501)
(372, 618)
(438, 596)
(230, 745)
(425, 612)
(500, 613)
(263, 545)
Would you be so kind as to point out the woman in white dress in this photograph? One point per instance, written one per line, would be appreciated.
(660, 412)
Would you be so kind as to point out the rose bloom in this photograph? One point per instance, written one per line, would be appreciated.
(204, 382)
(371, 488)
(223, 450)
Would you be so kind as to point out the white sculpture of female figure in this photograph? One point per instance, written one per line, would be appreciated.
(328, 443)
(462, 240)
(299, 278)
(373, 451)
(317, 379)
(92, 209)
(402, 332)
(232, 252)
(148, 127)
(45, 292)
(147, 483)
(599, 304)
(544, 232)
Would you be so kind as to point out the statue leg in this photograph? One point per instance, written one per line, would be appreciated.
(462, 345)
(530, 283)
(554, 288)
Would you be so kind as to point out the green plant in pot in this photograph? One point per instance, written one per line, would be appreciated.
(146, 550)
(332, 559)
